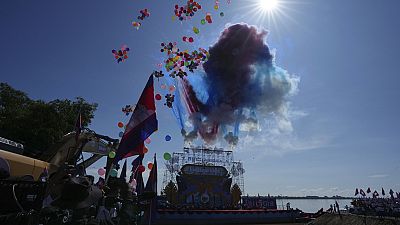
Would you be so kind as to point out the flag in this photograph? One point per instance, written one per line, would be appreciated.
(136, 162)
(391, 192)
(151, 184)
(368, 190)
(398, 194)
(375, 194)
(383, 192)
(141, 125)
(78, 126)
(139, 183)
(355, 194)
(123, 171)
(362, 192)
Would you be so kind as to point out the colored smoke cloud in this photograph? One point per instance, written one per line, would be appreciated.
(240, 86)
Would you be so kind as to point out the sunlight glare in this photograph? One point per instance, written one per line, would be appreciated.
(268, 5)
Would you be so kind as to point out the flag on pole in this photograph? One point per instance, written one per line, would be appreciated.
(123, 171)
(355, 194)
(135, 164)
(391, 192)
(375, 194)
(383, 192)
(362, 192)
(368, 190)
(139, 183)
(151, 184)
(141, 125)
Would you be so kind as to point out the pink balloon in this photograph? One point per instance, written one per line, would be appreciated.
(172, 88)
(148, 141)
(101, 171)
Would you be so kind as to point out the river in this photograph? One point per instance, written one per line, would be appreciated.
(311, 205)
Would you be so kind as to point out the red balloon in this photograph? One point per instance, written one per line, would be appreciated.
(158, 97)
(191, 40)
(145, 150)
(120, 125)
(141, 168)
(150, 166)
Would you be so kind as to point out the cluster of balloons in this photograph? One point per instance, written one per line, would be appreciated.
(136, 25)
(187, 11)
(187, 39)
(144, 13)
(121, 55)
(158, 74)
(208, 18)
(177, 60)
(128, 109)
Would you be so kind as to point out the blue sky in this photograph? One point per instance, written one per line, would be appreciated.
(344, 116)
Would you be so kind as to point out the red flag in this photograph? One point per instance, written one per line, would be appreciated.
(142, 124)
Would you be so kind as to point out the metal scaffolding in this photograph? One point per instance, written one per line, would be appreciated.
(207, 157)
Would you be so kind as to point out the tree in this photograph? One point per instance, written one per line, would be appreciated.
(236, 194)
(171, 192)
(38, 124)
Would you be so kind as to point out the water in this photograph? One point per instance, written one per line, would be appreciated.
(311, 205)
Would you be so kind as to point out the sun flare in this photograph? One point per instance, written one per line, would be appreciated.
(268, 5)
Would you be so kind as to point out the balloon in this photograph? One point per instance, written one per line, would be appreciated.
(150, 166)
(216, 7)
(111, 154)
(147, 141)
(158, 97)
(113, 173)
(172, 88)
(163, 86)
(203, 21)
(101, 171)
(196, 30)
(167, 156)
(221, 14)
(167, 138)
(121, 134)
(141, 168)
(145, 150)
(120, 124)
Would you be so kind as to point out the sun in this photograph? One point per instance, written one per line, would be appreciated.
(268, 5)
